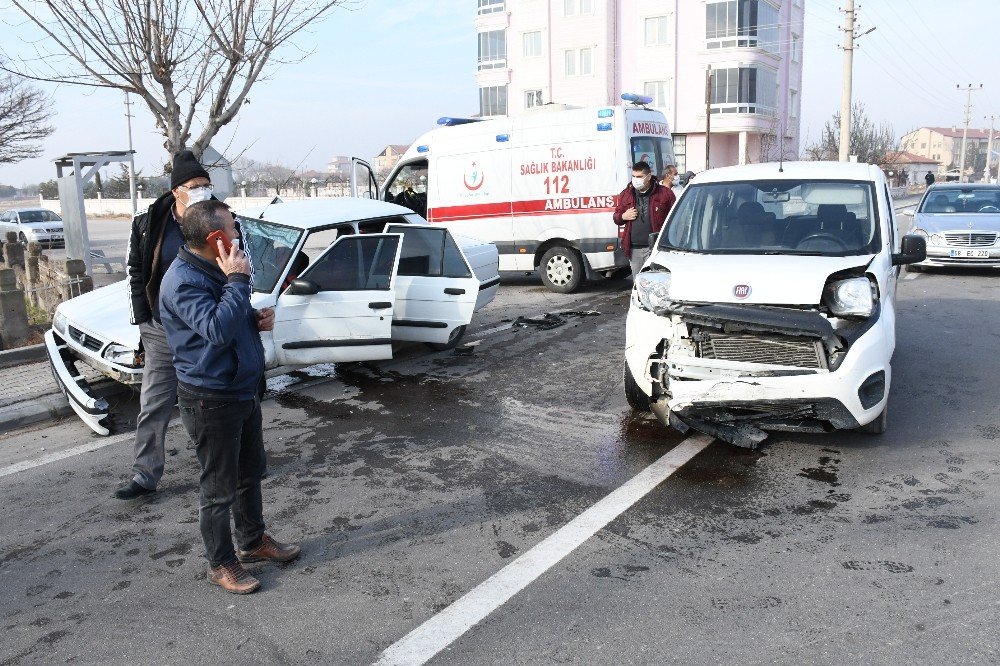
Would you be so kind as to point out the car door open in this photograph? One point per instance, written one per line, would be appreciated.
(436, 289)
(341, 307)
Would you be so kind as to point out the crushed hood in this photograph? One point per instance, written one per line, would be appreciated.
(104, 313)
(772, 279)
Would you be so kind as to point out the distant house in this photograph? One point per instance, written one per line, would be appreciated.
(944, 146)
(339, 166)
(906, 168)
(388, 158)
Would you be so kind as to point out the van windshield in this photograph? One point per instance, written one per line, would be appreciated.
(831, 218)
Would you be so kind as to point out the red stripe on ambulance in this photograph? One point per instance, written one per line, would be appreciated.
(554, 206)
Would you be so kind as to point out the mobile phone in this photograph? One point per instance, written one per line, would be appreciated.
(219, 235)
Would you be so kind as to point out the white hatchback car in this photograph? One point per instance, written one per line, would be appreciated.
(346, 278)
(768, 303)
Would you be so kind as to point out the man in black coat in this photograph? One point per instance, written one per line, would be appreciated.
(156, 238)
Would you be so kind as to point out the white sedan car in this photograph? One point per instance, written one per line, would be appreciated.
(33, 225)
(346, 278)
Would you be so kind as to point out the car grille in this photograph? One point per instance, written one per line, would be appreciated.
(970, 239)
(771, 350)
(88, 341)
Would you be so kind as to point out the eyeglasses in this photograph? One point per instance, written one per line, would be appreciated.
(207, 186)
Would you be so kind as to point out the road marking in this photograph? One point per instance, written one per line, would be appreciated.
(69, 453)
(912, 276)
(437, 633)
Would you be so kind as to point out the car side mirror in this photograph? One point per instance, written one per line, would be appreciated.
(302, 288)
(913, 249)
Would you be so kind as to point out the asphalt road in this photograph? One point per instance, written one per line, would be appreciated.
(410, 483)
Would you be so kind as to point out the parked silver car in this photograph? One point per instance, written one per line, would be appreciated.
(38, 225)
(961, 222)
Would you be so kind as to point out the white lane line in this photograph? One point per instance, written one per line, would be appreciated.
(437, 633)
(69, 453)
(912, 276)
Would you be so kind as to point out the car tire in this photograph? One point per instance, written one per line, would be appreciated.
(453, 339)
(879, 425)
(561, 269)
(637, 400)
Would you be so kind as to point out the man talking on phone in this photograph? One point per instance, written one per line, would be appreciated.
(214, 335)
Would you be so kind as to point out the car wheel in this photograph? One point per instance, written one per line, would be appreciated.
(561, 269)
(453, 338)
(879, 425)
(637, 400)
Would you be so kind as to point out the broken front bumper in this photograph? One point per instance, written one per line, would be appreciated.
(807, 377)
(92, 410)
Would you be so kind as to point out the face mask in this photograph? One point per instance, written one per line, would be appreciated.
(638, 183)
(198, 194)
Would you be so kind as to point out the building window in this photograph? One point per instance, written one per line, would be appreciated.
(532, 98)
(492, 49)
(579, 62)
(656, 31)
(575, 7)
(741, 23)
(793, 96)
(796, 48)
(493, 101)
(657, 90)
(680, 152)
(490, 6)
(533, 44)
(744, 90)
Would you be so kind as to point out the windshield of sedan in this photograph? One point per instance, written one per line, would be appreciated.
(962, 200)
(39, 216)
(270, 246)
(832, 218)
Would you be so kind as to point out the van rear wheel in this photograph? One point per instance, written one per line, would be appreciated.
(561, 269)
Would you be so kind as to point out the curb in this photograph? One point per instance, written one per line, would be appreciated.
(44, 408)
(22, 355)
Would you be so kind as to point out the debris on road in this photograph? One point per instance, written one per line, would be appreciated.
(551, 320)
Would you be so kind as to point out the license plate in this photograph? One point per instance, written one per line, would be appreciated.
(969, 254)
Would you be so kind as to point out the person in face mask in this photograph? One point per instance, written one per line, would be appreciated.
(156, 238)
(642, 208)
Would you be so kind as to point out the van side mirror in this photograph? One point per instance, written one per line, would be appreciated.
(302, 288)
(913, 249)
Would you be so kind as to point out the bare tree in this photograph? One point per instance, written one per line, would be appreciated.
(193, 62)
(24, 112)
(870, 142)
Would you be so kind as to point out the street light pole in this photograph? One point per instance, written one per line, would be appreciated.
(965, 132)
(131, 155)
(845, 93)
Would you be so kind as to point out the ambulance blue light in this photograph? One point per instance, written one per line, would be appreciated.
(604, 127)
(503, 137)
(605, 113)
(637, 99)
(423, 149)
(448, 121)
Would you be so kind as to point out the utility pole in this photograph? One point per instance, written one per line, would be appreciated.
(131, 155)
(845, 93)
(965, 132)
(989, 151)
(708, 112)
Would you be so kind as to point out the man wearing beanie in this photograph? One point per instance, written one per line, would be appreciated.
(153, 245)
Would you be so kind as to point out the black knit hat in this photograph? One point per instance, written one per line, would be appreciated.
(185, 168)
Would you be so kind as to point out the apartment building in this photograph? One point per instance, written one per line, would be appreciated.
(587, 52)
(944, 146)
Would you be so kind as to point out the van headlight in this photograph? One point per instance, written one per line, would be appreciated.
(854, 297)
(122, 355)
(652, 290)
(59, 323)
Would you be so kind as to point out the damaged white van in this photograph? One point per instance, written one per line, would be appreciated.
(768, 303)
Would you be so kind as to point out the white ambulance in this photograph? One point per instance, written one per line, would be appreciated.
(542, 185)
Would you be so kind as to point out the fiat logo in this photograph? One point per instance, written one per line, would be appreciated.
(741, 291)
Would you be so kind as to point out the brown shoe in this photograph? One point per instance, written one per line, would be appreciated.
(269, 550)
(233, 578)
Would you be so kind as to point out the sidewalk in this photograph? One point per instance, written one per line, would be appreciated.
(29, 394)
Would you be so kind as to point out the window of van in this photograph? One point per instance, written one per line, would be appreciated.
(658, 151)
(409, 187)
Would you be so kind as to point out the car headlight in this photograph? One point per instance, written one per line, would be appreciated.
(59, 323)
(853, 297)
(652, 289)
(122, 355)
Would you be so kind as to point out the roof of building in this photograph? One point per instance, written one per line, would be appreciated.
(904, 157)
(397, 148)
(956, 132)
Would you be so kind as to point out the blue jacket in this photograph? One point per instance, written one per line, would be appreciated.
(211, 327)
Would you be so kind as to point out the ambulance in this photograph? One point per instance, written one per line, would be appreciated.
(542, 186)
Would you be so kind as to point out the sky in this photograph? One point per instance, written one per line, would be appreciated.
(378, 72)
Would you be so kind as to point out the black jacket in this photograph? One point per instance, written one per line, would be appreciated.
(143, 257)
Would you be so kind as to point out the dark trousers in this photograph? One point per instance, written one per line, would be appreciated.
(229, 441)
